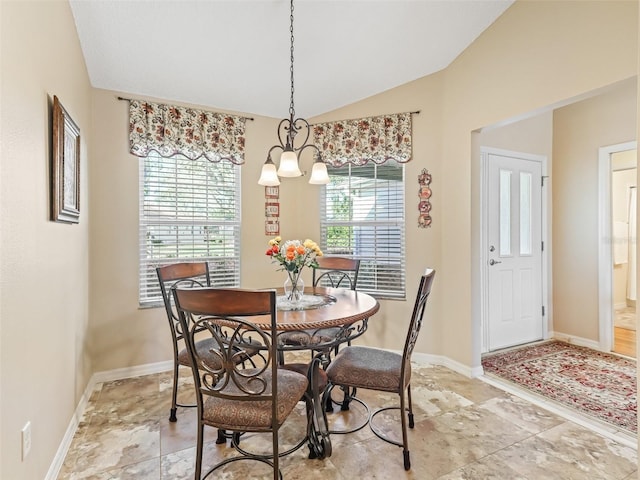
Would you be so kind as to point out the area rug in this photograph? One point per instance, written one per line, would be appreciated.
(594, 383)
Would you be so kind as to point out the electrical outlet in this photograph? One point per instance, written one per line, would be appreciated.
(26, 440)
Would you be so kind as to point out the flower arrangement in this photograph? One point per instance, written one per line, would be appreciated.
(293, 256)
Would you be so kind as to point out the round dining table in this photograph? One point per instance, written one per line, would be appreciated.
(324, 318)
(324, 307)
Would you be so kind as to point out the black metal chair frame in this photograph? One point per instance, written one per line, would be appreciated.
(222, 313)
(339, 272)
(406, 406)
(174, 275)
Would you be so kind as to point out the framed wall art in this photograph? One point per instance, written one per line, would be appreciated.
(272, 192)
(65, 168)
(272, 227)
(272, 209)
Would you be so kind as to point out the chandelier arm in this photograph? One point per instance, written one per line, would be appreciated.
(313, 147)
(275, 147)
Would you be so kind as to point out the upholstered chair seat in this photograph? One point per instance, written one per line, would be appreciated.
(368, 368)
(208, 350)
(230, 414)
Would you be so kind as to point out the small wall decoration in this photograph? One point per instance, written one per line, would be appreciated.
(65, 168)
(272, 210)
(424, 194)
(272, 227)
(272, 192)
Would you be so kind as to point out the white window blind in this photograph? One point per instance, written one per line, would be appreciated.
(362, 217)
(189, 211)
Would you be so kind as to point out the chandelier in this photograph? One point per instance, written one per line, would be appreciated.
(288, 128)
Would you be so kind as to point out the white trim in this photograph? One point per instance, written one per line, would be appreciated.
(579, 341)
(130, 372)
(58, 459)
(96, 379)
(605, 249)
(484, 233)
(470, 372)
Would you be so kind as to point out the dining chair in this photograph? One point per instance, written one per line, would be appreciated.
(229, 396)
(335, 272)
(194, 274)
(381, 370)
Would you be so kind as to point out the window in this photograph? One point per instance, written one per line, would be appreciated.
(362, 216)
(189, 211)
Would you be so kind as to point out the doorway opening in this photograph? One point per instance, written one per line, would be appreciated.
(618, 192)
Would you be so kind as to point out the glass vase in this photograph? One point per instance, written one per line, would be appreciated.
(293, 288)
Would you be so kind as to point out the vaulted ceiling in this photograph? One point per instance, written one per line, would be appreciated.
(235, 55)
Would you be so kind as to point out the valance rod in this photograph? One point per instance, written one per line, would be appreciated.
(131, 99)
(415, 112)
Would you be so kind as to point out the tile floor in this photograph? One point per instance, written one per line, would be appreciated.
(465, 429)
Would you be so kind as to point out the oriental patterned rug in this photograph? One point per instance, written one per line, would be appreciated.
(596, 384)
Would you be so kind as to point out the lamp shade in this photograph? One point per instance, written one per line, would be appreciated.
(289, 165)
(319, 174)
(269, 176)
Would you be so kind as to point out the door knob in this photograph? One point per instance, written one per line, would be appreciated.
(493, 262)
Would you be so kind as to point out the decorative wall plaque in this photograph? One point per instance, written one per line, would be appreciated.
(424, 202)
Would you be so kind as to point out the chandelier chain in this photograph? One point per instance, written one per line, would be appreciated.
(292, 110)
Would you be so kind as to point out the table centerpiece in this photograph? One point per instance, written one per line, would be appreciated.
(293, 256)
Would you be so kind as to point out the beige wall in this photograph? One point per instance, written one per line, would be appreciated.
(423, 245)
(526, 61)
(580, 130)
(474, 92)
(117, 324)
(122, 334)
(44, 269)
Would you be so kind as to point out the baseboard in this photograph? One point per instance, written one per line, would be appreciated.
(97, 378)
(470, 372)
(129, 372)
(58, 460)
(581, 342)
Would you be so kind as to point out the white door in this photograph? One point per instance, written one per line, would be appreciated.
(514, 250)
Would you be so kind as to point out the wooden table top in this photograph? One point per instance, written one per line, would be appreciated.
(349, 307)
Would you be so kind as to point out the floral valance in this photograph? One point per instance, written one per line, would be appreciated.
(372, 139)
(172, 130)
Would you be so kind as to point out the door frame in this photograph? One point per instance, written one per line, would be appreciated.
(605, 244)
(484, 234)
